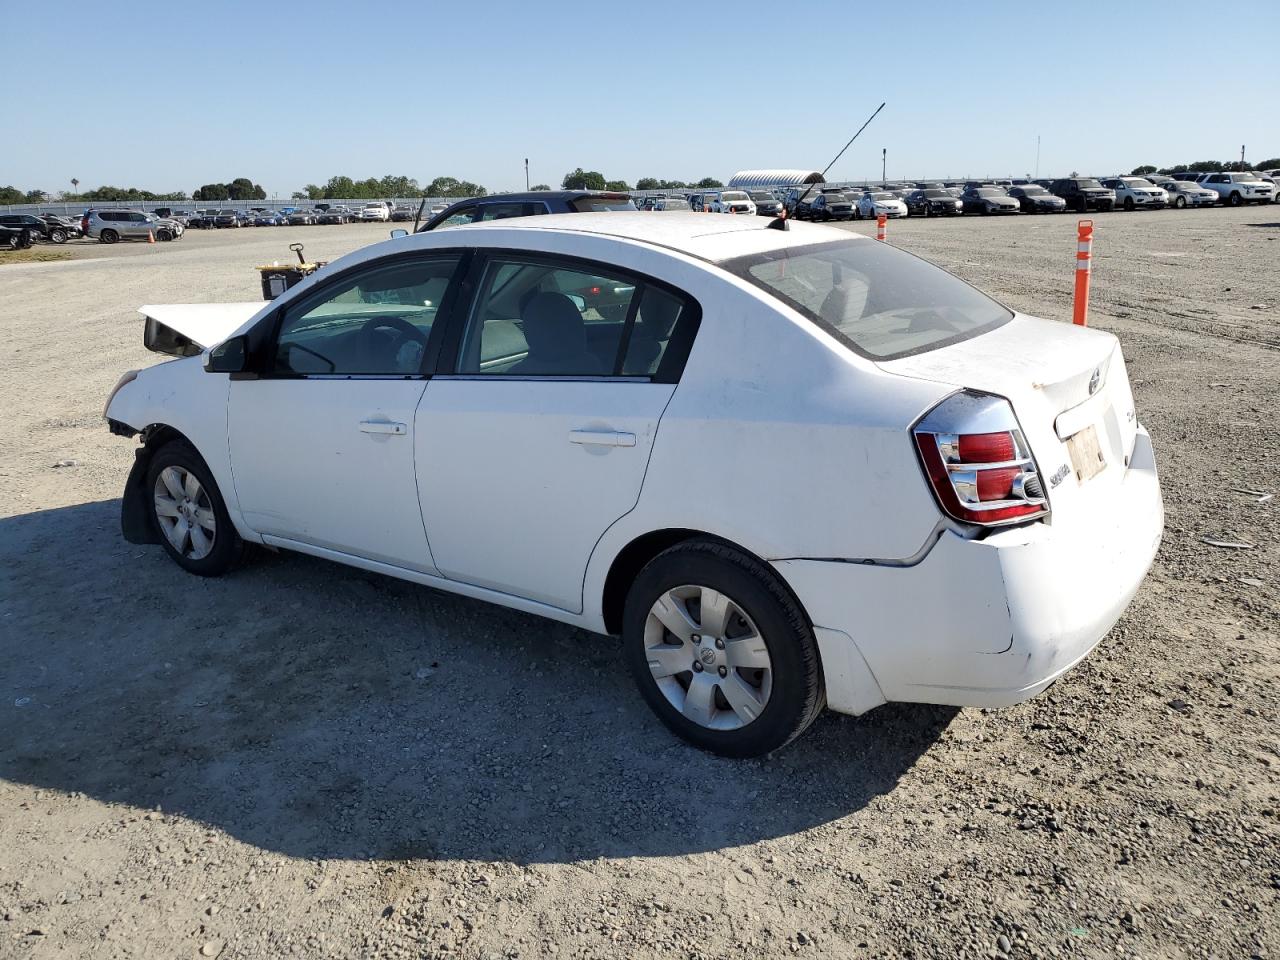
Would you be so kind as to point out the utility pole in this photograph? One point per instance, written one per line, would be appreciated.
(1242, 156)
(883, 153)
(526, 174)
(1037, 155)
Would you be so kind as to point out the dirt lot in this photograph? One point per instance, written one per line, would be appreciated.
(302, 760)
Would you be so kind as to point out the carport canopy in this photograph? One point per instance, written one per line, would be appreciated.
(750, 179)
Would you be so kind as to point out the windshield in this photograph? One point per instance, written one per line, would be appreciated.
(1088, 185)
(1033, 191)
(602, 205)
(935, 193)
(760, 195)
(877, 300)
(733, 195)
(990, 192)
(883, 196)
(1243, 177)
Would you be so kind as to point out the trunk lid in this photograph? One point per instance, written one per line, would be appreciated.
(1069, 389)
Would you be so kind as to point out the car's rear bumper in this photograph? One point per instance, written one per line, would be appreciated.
(988, 622)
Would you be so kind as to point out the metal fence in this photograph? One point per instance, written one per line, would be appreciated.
(74, 208)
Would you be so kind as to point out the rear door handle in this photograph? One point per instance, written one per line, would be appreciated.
(383, 426)
(602, 438)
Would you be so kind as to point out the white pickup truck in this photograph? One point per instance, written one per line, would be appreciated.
(1239, 188)
(732, 201)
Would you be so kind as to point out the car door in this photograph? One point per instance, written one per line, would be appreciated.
(535, 435)
(321, 441)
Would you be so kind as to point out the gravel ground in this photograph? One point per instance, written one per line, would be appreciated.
(304, 760)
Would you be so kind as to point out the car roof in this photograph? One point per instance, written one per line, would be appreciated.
(707, 237)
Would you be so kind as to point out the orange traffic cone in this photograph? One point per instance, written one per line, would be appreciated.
(151, 236)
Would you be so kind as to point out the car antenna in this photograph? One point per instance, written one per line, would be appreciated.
(780, 223)
(418, 215)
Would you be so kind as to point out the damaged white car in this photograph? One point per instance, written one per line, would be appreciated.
(788, 466)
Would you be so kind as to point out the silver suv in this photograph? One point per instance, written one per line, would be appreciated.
(108, 226)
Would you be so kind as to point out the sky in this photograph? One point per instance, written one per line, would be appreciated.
(168, 96)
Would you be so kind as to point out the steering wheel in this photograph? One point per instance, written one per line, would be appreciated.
(408, 333)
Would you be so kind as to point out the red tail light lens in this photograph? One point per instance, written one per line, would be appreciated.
(979, 474)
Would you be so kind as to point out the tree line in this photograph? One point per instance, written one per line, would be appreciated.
(381, 188)
(1207, 166)
(580, 179)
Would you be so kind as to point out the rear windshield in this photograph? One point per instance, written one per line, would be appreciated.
(877, 300)
(602, 205)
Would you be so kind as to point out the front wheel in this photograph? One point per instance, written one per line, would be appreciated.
(1235, 199)
(721, 651)
(189, 513)
(1128, 203)
(58, 236)
(1180, 203)
(164, 235)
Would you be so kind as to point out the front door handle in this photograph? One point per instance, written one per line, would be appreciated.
(602, 438)
(383, 426)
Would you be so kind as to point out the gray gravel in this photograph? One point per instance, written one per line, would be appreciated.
(303, 760)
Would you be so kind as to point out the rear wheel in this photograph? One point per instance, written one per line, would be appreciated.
(189, 513)
(108, 236)
(721, 651)
(58, 236)
(1180, 203)
(13, 240)
(1235, 199)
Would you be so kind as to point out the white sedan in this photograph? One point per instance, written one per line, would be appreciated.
(873, 203)
(788, 465)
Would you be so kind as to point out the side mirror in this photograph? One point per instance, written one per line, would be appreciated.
(398, 233)
(230, 356)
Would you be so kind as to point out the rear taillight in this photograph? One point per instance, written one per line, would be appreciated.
(978, 461)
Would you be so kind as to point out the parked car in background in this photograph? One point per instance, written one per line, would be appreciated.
(1235, 189)
(1188, 193)
(831, 204)
(875, 203)
(402, 213)
(40, 230)
(15, 238)
(229, 218)
(334, 215)
(1275, 186)
(1036, 199)
(668, 204)
(301, 218)
(1083, 194)
(799, 202)
(732, 201)
(503, 206)
(377, 210)
(989, 200)
(767, 205)
(269, 219)
(932, 427)
(933, 202)
(1134, 192)
(112, 225)
(1159, 179)
(69, 228)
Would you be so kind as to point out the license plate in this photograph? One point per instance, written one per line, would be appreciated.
(1086, 454)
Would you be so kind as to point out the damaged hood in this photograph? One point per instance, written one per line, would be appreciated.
(202, 324)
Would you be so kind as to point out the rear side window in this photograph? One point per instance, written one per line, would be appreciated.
(548, 318)
(877, 300)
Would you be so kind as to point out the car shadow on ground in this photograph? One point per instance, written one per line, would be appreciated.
(324, 712)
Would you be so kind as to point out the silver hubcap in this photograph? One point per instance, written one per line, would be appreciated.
(707, 657)
(185, 513)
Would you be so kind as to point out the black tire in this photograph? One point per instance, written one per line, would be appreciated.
(797, 695)
(108, 236)
(228, 549)
(13, 240)
(164, 235)
(1180, 202)
(1128, 204)
(1235, 199)
(58, 236)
